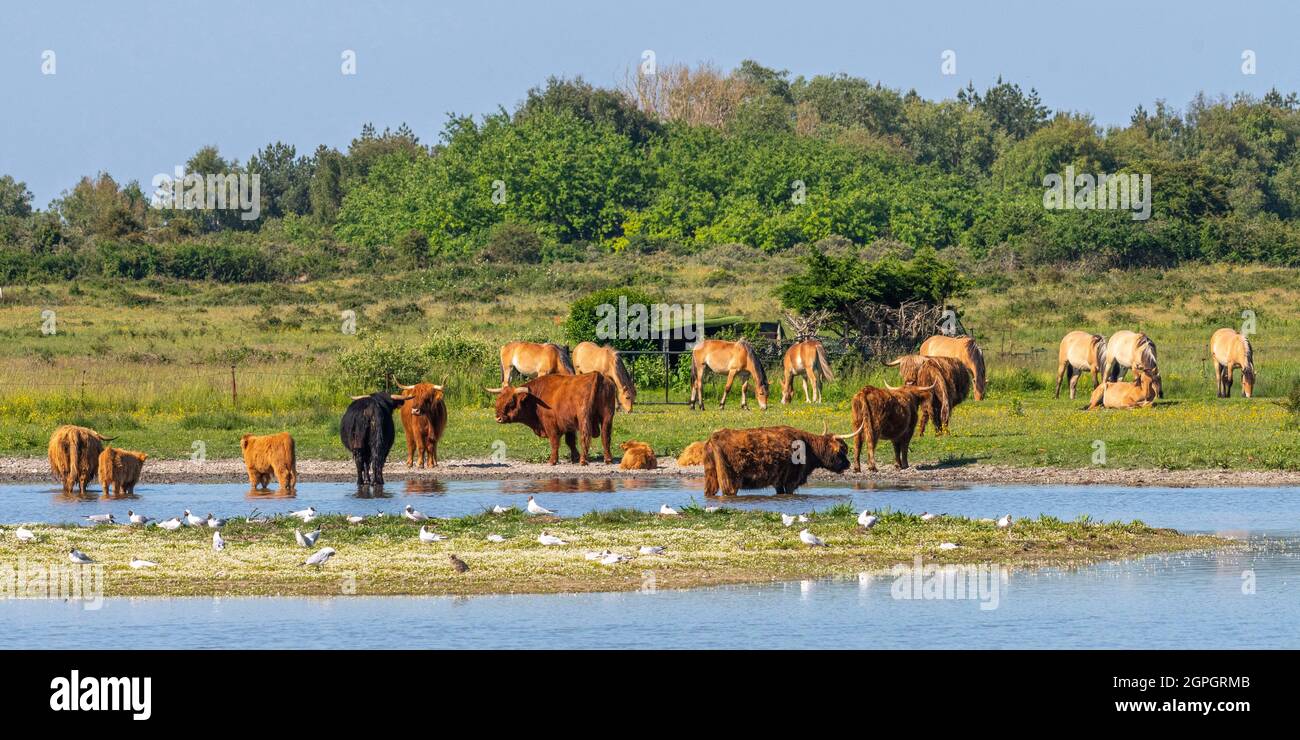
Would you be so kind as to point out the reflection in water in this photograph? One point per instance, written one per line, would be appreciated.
(560, 485)
(424, 485)
(262, 494)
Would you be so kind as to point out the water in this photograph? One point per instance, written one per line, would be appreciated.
(1241, 598)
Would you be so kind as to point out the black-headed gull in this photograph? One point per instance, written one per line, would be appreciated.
(712, 509)
(100, 519)
(141, 563)
(355, 519)
(458, 565)
(306, 515)
(927, 516)
(214, 522)
(427, 535)
(1005, 522)
(137, 518)
(193, 520)
(24, 534)
(550, 539)
(499, 509)
(808, 538)
(306, 540)
(171, 525)
(802, 519)
(867, 519)
(218, 543)
(948, 546)
(536, 508)
(319, 558)
(596, 555)
(410, 513)
(787, 519)
(651, 550)
(495, 538)
(667, 510)
(79, 557)
(613, 559)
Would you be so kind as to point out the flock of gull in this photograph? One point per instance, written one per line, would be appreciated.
(308, 540)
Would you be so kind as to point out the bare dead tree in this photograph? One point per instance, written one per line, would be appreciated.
(808, 325)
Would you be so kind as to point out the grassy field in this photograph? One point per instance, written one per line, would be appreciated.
(384, 555)
(151, 361)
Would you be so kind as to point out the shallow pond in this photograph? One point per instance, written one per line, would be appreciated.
(1245, 597)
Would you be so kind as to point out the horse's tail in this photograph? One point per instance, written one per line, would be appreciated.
(751, 358)
(562, 353)
(824, 362)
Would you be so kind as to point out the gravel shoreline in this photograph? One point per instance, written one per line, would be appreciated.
(32, 470)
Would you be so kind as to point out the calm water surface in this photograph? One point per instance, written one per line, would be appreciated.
(1246, 597)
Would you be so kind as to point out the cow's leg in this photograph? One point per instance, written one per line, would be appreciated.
(731, 378)
(377, 459)
(710, 478)
(411, 448)
(361, 457)
(252, 479)
(433, 451)
(1074, 382)
(857, 448)
(607, 431)
(871, 454)
(554, 439)
(584, 438)
(901, 446)
(924, 415)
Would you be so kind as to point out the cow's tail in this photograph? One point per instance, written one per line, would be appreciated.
(824, 362)
(977, 369)
(721, 473)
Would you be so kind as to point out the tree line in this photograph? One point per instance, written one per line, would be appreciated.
(693, 157)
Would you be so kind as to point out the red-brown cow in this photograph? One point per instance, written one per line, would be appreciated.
(781, 457)
(575, 406)
(424, 418)
(886, 413)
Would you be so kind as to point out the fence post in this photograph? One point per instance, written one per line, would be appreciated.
(234, 390)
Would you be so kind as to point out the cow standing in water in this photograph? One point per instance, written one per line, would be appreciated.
(1080, 353)
(367, 432)
(1131, 349)
(959, 348)
(530, 358)
(1230, 351)
(808, 360)
(780, 457)
(731, 358)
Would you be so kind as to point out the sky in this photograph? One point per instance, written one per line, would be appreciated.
(138, 87)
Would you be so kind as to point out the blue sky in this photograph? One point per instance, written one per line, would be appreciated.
(140, 86)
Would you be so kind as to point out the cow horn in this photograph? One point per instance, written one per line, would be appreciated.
(358, 398)
(825, 428)
(400, 384)
(926, 388)
(897, 361)
(890, 387)
(494, 390)
(524, 391)
(438, 387)
(855, 433)
(107, 439)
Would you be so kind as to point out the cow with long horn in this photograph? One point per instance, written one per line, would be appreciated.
(424, 418)
(781, 457)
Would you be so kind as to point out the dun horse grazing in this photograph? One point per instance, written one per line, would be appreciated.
(807, 359)
(1121, 395)
(589, 357)
(1130, 349)
(958, 348)
(731, 358)
(1232, 350)
(530, 358)
(1080, 353)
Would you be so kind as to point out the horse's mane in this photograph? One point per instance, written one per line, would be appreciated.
(753, 358)
(620, 372)
(1250, 352)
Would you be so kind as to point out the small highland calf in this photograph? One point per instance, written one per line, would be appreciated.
(638, 456)
(272, 454)
(120, 470)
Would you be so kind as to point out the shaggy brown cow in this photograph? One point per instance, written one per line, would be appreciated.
(887, 413)
(692, 455)
(575, 406)
(120, 470)
(74, 455)
(272, 453)
(781, 457)
(951, 380)
(424, 418)
(638, 456)
(960, 348)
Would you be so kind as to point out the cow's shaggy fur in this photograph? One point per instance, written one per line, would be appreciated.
(780, 457)
(638, 456)
(268, 455)
(886, 414)
(424, 418)
(119, 470)
(692, 455)
(74, 456)
(951, 380)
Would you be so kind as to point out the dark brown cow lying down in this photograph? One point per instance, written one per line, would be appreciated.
(573, 406)
(780, 457)
(886, 413)
(951, 380)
